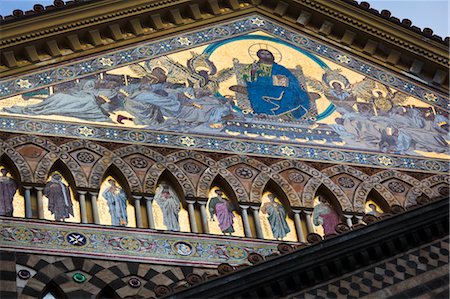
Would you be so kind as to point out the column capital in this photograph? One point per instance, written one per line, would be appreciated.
(244, 207)
(200, 200)
(349, 216)
(138, 197)
(149, 197)
(27, 187)
(308, 212)
(81, 192)
(255, 207)
(297, 210)
(38, 188)
(93, 193)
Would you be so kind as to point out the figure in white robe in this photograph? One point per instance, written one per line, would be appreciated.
(170, 207)
(117, 203)
(85, 101)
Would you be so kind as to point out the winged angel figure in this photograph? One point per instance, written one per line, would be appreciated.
(200, 73)
(387, 126)
(344, 95)
(196, 86)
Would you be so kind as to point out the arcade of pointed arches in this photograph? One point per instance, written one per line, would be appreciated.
(139, 171)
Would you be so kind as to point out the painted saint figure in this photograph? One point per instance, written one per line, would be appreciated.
(373, 210)
(277, 217)
(325, 215)
(170, 207)
(117, 203)
(223, 209)
(272, 89)
(59, 199)
(8, 188)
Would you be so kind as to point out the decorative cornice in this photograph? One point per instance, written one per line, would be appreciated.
(127, 244)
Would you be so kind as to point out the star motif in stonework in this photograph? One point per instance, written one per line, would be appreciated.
(187, 141)
(343, 59)
(106, 61)
(287, 151)
(86, 131)
(24, 83)
(184, 41)
(430, 97)
(76, 239)
(384, 160)
(258, 22)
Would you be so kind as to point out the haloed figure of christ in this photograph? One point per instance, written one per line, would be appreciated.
(59, 199)
(8, 188)
(223, 209)
(272, 89)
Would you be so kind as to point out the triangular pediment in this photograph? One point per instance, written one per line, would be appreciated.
(213, 89)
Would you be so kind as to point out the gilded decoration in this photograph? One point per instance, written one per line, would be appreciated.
(129, 245)
(285, 95)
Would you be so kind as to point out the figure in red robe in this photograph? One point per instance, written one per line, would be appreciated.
(59, 199)
(8, 188)
(325, 215)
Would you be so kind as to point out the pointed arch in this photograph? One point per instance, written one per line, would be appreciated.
(417, 187)
(139, 149)
(44, 166)
(317, 178)
(262, 180)
(363, 190)
(210, 175)
(187, 154)
(101, 167)
(14, 160)
(154, 173)
(312, 186)
(274, 188)
(54, 153)
(265, 173)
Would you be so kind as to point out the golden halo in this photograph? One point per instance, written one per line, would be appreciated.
(383, 93)
(337, 81)
(253, 49)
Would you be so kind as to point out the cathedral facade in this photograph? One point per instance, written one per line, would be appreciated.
(209, 148)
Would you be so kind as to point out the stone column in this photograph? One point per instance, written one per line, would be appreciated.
(40, 204)
(247, 230)
(309, 223)
(191, 213)
(94, 207)
(202, 202)
(259, 232)
(298, 226)
(82, 200)
(137, 210)
(359, 218)
(148, 205)
(348, 219)
(28, 209)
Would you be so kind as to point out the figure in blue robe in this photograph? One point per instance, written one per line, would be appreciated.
(117, 203)
(272, 89)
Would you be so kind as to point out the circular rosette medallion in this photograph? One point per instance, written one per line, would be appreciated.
(22, 234)
(130, 244)
(236, 253)
(183, 248)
